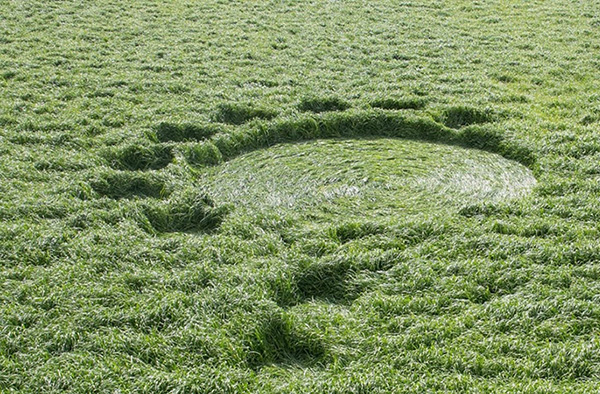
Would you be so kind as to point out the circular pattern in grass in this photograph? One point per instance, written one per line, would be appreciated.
(365, 178)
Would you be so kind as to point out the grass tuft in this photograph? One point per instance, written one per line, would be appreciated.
(481, 137)
(179, 132)
(322, 104)
(191, 211)
(130, 184)
(326, 279)
(239, 113)
(135, 157)
(491, 139)
(457, 117)
(277, 340)
(203, 154)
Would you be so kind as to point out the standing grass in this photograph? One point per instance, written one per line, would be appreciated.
(123, 269)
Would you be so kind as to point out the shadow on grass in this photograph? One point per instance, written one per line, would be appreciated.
(179, 132)
(142, 157)
(239, 113)
(129, 184)
(279, 341)
(322, 104)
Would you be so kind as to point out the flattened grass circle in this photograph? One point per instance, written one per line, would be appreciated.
(365, 178)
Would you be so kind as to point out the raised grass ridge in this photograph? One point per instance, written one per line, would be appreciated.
(357, 123)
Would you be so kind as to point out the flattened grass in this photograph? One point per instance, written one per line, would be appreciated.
(365, 178)
(487, 296)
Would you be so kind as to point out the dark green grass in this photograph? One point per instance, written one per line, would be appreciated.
(129, 184)
(457, 117)
(119, 273)
(323, 104)
(239, 113)
(397, 104)
(166, 132)
(139, 157)
(190, 212)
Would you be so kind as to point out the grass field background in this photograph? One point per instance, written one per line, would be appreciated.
(131, 261)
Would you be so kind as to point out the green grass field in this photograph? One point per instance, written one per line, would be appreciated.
(299, 196)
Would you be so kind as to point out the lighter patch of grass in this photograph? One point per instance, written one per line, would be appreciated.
(363, 178)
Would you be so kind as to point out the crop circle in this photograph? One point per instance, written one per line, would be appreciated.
(377, 177)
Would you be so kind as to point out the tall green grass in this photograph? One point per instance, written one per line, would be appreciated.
(359, 124)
